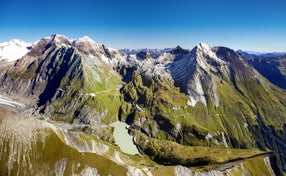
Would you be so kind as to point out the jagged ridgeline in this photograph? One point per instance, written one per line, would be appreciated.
(205, 99)
(209, 96)
(66, 81)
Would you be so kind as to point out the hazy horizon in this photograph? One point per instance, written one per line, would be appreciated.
(257, 25)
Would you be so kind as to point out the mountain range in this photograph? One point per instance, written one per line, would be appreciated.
(205, 111)
(270, 65)
(155, 52)
(13, 50)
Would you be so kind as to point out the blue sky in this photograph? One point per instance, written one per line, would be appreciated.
(245, 24)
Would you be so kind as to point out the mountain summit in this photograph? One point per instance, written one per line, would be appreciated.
(59, 77)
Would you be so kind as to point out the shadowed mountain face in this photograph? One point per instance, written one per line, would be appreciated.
(66, 62)
(205, 97)
(273, 68)
(62, 78)
(271, 65)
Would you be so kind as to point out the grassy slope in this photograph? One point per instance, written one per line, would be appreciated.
(42, 153)
(251, 113)
(45, 155)
(106, 90)
(170, 153)
(49, 154)
(210, 160)
(80, 83)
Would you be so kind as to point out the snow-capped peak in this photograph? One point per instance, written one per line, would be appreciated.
(13, 50)
(206, 50)
(204, 46)
(84, 39)
(59, 39)
(17, 42)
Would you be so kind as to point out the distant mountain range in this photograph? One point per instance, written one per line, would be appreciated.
(155, 52)
(264, 54)
(207, 110)
(13, 49)
(270, 65)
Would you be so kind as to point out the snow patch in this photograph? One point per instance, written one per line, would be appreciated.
(117, 159)
(206, 49)
(191, 102)
(177, 107)
(105, 59)
(60, 167)
(139, 108)
(92, 94)
(58, 38)
(196, 93)
(132, 171)
(181, 170)
(84, 39)
(8, 102)
(200, 91)
(209, 136)
(89, 172)
(224, 139)
(13, 50)
(268, 164)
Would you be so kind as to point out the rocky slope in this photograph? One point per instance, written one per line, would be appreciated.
(207, 97)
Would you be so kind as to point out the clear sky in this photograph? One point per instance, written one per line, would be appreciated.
(239, 24)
